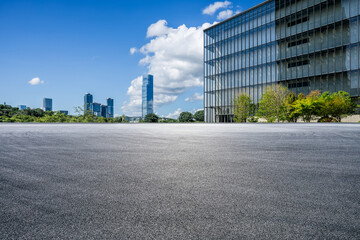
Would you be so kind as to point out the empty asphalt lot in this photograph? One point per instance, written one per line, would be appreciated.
(179, 181)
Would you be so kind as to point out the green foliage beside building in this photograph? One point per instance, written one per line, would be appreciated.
(199, 116)
(186, 117)
(244, 108)
(279, 104)
(151, 118)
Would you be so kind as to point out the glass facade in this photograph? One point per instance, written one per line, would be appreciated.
(104, 111)
(22, 107)
(97, 109)
(110, 108)
(88, 103)
(47, 104)
(147, 95)
(302, 44)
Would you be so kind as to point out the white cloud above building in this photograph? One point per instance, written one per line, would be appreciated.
(212, 8)
(225, 14)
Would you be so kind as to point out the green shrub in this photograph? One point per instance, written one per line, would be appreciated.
(327, 119)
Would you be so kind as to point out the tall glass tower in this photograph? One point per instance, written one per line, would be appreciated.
(147, 95)
(110, 107)
(47, 104)
(88, 103)
(97, 109)
(104, 111)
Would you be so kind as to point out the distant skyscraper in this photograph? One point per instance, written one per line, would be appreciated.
(64, 112)
(22, 107)
(88, 103)
(104, 111)
(97, 109)
(147, 95)
(47, 104)
(110, 107)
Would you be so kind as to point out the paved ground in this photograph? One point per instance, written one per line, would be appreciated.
(173, 181)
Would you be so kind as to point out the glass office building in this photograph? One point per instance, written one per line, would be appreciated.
(110, 108)
(88, 103)
(104, 111)
(147, 95)
(47, 104)
(97, 109)
(303, 44)
(22, 107)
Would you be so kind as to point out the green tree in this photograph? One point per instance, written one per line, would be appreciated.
(336, 105)
(272, 106)
(199, 116)
(186, 117)
(151, 117)
(6, 111)
(244, 107)
(289, 109)
(309, 106)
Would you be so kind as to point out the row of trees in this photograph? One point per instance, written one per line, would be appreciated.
(279, 104)
(12, 114)
(184, 117)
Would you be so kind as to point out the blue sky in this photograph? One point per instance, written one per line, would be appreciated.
(78, 46)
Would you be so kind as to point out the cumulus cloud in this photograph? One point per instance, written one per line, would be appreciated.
(212, 8)
(195, 97)
(174, 56)
(195, 110)
(157, 29)
(133, 50)
(225, 14)
(133, 106)
(36, 81)
(174, 115)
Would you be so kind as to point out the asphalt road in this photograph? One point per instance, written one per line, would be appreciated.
(173, 181)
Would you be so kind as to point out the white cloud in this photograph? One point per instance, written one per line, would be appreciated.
(212, 8)
(225, 14)
(195, 97)
(195, 110)
(133, 106)
(175, 114)
(157, 29)
(133, 50)
(36, 81)
(174, 56)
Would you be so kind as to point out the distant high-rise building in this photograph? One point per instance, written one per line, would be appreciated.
(110, 107)
(97, 109)
(64, 112)
(147, 95)
(47, 104)
(104, 111)
(88, 103)
(22, 107)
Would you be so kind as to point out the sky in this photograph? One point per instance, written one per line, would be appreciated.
(64, 49)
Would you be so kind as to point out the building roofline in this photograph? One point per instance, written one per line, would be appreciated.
(239, 14)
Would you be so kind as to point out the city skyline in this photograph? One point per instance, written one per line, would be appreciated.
(75, 47)
(98, 109)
